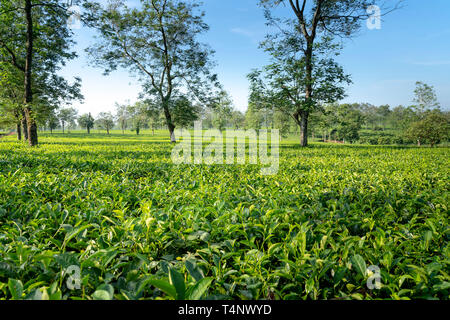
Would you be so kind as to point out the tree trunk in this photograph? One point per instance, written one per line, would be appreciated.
(24, 126)
(172, 134)
(31, 123)
(32, 128)
(19, 131)
(304, 129)
(25, 129)
(62, 123)
(308, 93)
(169, 122)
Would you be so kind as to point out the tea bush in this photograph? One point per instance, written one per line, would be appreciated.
(135, 226)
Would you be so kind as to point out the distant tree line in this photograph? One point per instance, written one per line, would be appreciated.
(146, 114)
(423, 122)
(156, 42)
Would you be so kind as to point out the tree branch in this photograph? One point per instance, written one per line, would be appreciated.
(13, 56)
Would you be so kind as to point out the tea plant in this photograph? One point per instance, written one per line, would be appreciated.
(136, 226)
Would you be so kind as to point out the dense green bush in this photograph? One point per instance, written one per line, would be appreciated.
(139, 227)
(385, 140)
(399, 140)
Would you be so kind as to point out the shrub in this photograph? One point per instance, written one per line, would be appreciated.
(398, 140)
(384, 140)
(373, 140)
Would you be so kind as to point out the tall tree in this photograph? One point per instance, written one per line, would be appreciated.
(253, 117)
(138, 115)
(122, 116)
(401, 117)
(349, 121)
(52, 122)
(155, 119)
(35, 39)
(158, 42)
(237, 119)
(67, 117)
(315, 21)
(222, 111)
(86, 121)
(425, 98)
(105, 121)
(282, 84)
(183, 110)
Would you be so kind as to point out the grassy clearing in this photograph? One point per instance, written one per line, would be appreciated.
(139, 227)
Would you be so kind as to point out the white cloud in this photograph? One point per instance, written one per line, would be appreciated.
(243, 32)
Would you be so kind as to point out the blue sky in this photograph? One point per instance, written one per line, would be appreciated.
(412, 45)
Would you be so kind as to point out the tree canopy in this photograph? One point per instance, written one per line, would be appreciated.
(310, 34)
(35, 42)
(157, 42)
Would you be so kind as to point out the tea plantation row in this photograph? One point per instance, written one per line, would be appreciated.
(112, 218)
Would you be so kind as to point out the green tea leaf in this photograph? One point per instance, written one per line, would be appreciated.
(104, 292)
(177, 280)
(200, 288)
(15, 288)
(164, 286)
(194, 270)
(359, 264)
(101, 295)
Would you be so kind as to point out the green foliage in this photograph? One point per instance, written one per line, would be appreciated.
(122, 116)
(281, 85)
(222, 111)
(254, 117)
(237, 119)
(86, 121)
(47, 90)
(433, 128)
(105, 120)
(425, 97)
(158, 42)
(137, 114)
(401, 118)
(303, 73)
(15, 288)
(104, 292)
(383, 138)
(139, 227)
(347, 120)
(184, 112)
(67, 117)
(52, 121)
